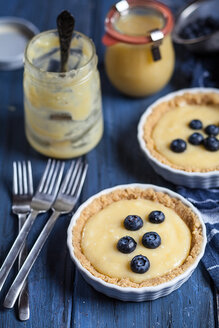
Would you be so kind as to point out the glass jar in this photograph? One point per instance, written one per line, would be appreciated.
(63, 111)
(139, 58)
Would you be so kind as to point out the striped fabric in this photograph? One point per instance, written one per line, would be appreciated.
(207, 201)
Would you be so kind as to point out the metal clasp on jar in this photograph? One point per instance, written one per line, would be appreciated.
(121, 6)
(156, 36)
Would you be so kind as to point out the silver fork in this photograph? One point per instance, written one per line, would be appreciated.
(21, 199)
(67, 197)
(41, 202)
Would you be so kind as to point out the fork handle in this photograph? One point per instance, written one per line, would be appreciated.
(23, 300)
(17, 285)
(16, 247)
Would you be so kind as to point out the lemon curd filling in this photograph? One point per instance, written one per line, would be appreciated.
(175, 124)
(103, 230)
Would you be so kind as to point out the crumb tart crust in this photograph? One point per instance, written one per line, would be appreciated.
(193, 101)
(101, 202)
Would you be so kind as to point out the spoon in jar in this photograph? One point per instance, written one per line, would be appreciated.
(65, 25)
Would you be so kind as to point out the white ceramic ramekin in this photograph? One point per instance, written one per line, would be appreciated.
(178, 177)
(131, 293)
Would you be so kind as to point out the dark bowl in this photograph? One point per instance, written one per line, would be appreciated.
(190, 13)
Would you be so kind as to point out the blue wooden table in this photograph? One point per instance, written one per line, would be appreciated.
(59, 297)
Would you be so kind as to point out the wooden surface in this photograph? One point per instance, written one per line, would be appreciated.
(59, 297)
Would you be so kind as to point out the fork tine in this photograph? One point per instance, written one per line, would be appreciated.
(77, 164)
(84, 173)
(43, 179)
(15, 184)
(80, 176)
(59, 179)
(20, 182)
(67, 177)
(49, 177)
(77, 177)
(24, 168)
(30, 178)
(57, 170)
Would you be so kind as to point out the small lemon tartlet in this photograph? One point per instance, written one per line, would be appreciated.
(100, 225)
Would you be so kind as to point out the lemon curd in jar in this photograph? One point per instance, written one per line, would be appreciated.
(63, 111)
(131, 67)
(138, 24)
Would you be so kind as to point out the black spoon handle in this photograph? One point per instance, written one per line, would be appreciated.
(65, 25)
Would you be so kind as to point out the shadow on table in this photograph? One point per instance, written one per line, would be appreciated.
(13, 138)
(58, 262)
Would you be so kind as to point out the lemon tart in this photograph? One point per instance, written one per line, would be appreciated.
(102, 231)
(182, 132)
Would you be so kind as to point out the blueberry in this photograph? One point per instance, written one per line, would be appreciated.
(192, 35)
(212, 130)
(195, 26)
(151, 240)
(195, 124)
(133, 222)
(196, 138)
(186, 33)
(126, 245)
(156, 217)
(207, 30)
(140, 264)
(211, 143)
(178, 145)
(200, 27)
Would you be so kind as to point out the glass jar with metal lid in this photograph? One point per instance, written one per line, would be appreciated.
(63, 111)
(139, 58)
